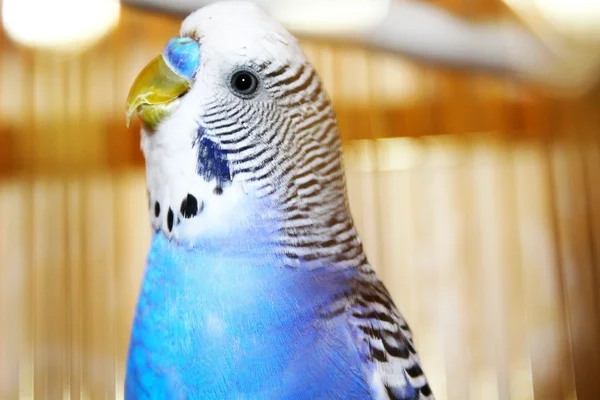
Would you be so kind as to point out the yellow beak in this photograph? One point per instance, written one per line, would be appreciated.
(153, 93)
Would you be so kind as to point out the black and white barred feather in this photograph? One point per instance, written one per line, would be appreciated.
(289, 149)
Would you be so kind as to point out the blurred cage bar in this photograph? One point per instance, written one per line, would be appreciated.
(477, 198)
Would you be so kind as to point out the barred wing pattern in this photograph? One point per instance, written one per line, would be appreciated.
(384, 338)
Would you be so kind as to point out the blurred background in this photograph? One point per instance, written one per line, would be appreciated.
(473, 173)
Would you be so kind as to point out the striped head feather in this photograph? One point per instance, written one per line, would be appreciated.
(255, 125)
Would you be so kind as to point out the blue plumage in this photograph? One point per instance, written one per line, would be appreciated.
(182, 54)
(212, 161)
(226, 321)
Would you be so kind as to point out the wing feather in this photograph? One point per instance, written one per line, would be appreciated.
(384, 340)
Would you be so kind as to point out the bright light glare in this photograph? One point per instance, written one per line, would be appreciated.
(579, 18)
(329, 16)
(63, 25)
(576, 15)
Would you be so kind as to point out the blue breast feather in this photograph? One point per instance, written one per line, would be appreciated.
(219, 322)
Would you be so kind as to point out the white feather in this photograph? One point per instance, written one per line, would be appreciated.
(231, 34)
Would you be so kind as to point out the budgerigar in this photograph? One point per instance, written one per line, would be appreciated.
(256, 283)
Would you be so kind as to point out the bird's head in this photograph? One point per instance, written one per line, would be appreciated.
(233, 114)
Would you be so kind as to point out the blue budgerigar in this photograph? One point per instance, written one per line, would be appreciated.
(256, 283)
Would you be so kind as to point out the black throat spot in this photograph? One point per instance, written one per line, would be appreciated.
(212, 161)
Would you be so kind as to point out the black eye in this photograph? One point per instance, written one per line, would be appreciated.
(244, 83)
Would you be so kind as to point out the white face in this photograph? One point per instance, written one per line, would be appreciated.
(194, 189)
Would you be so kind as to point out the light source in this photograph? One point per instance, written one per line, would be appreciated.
(578, 16)
(62, 25)
(579, 19)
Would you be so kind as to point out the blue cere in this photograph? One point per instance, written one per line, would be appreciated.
(182, 54)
